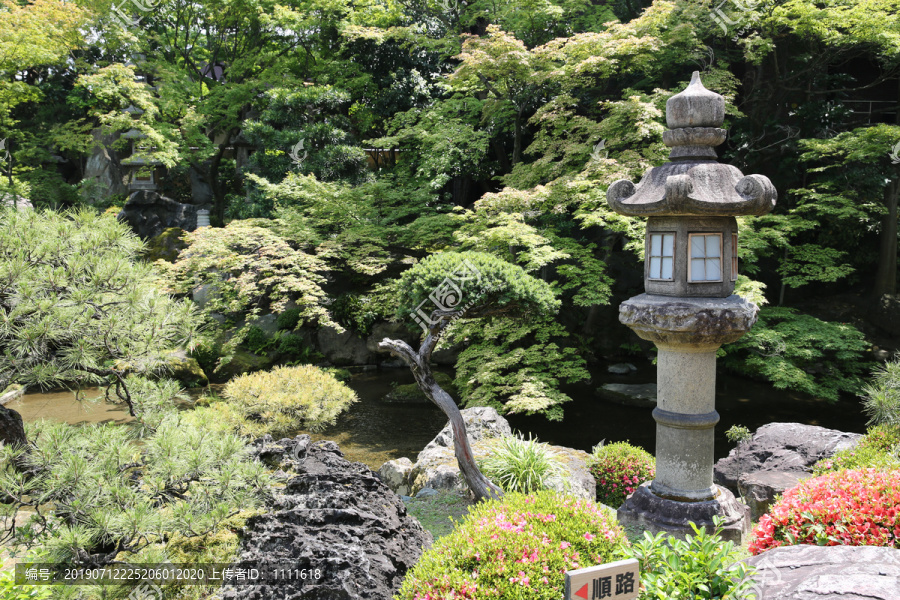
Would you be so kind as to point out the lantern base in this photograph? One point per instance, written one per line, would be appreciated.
(655, 513)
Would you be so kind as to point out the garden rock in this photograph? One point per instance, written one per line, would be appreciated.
(827, 573)
(343, 349)
(166, 246)
(150, 213)
(12, 392)
(395, 474)
(642, 395)
(335, 516)
(243, 362)
(394, 331)
(181, 367)
(622, 369)
(776, 458)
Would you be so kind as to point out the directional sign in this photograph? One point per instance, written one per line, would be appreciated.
(618, 580)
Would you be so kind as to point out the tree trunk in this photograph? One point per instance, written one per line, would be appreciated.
(419, 362)
(12, 432)
(517, 139)
(886, 279)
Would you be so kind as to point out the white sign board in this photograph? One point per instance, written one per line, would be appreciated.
(618, 580)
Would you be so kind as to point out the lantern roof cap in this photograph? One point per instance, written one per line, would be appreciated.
(695, 106)
(694, 183)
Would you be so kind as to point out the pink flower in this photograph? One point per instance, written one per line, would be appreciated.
(588, 537)
(564, 545)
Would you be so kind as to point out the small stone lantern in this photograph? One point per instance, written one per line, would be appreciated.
(688, 309)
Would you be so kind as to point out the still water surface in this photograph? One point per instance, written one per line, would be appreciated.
(374, 431)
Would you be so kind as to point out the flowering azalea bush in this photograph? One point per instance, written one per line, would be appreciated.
(851, 508)
(619, 469)
(516, 547)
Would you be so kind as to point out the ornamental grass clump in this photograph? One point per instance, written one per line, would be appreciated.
(520, 465)
(618, 470)
(284, 400)
(516, 547)
(850, 508)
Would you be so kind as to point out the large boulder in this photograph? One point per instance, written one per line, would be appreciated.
(436, 466)
(104, 165)
(886, 314)
(390, 330)
(343, 349)
(826, 573)
(334, 516)
(776, 458)
(149, 213)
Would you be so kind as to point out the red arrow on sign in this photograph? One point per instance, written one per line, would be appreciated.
(582, 592)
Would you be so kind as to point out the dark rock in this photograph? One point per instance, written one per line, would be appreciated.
(426, 492)
(621, 369)
(150, 213)
(390, 330)
(104, 165)
(343, 349)
(776, 458)
(642, 395)
(826, 573)
(335, 516)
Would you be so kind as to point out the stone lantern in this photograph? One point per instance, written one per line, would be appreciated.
(688, 309)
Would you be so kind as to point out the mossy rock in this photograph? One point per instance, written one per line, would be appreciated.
(166, 246)
(243, 362)
(411, 394)
(186, 369)
(11, 393)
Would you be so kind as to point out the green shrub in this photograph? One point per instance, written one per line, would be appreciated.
(98, 488)
(256, 340)
(356, 312)
(289, 319)
(516, 547)
(879, 449)
(882, 399)
(520, 465)
(700, 566)
(285, 400)
(800, 352)
(618, 470)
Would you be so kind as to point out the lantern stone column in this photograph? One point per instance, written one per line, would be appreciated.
(689, 309)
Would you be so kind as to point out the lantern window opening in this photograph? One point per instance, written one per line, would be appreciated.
(705, 262)
(662, 256)
(734, 256)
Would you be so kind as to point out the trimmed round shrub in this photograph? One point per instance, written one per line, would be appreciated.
(877, 449)
(520, 465)
(618, 470)
(850, 508)
(281, 401)
(516, 547)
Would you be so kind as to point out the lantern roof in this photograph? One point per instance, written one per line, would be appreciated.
(694, 183)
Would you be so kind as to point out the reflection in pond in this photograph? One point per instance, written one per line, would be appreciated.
(373, 431)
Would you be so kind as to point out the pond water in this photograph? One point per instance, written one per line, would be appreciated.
(373, 431)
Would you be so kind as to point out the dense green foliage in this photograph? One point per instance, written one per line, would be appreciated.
(800, 352)
(367, 136)
(519, 546)
(74, 301)
(98, 490)
(520, 465)
(619, 469)
(699, 566)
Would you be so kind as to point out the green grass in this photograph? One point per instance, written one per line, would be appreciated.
(437, 513)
